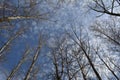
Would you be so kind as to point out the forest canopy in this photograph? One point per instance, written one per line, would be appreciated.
(59, 40)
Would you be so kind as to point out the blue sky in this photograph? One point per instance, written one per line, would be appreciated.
(59, 21)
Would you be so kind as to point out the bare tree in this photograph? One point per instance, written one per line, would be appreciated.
(81, 62)
(35, 58)
(64, 62)
(108, 31)
(86, 48)
(110, 7)
(9, 41)
(12, 12)
(112, 71)
(18, 65)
